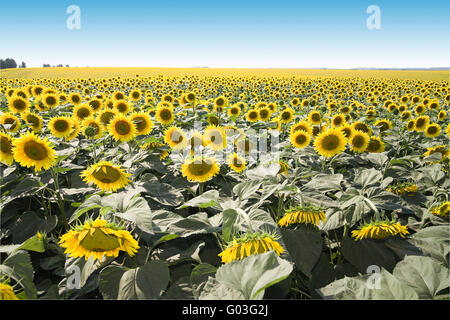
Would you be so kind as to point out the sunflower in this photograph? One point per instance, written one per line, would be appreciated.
(338, 121)
(330, 143)
(420, 109)
(300, 139)
(306, 214)
(287, 115)
(6, 154)
(122, 128)
(75, 130)
(314, 117)
(442, 115)
(252, 115)
(97, 239)
(302, 125)
(135, 95)
(60, 127)
(383, 124)
(34, 120)
(175, 137)
(236, 162)
(75, 98)
(215, 137)
(105, 116)
(12, 120)
(359, 141)
(80, 112)
(234, 111)
(411, 125)
(17, 104)
(164, 114)
(7, 292)
(250, 244)
(106, 176)
(50, 100)
(144, 123)
(200, 169)
(361, 126)
(442, 149)
(375, 145)
(421, 123)
(380, 230)
(442, 210)
(264, 114)
(30, 150)
(433, 130)
(93, 123)
(220, 103)
(284, 167)
(245, 146)
(347, 129)
(403, 188)
(122, 106)
(118, 95)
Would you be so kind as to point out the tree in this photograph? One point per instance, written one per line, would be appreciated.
(8, 63)
(23, 65)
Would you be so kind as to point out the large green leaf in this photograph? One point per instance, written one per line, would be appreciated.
(208, 199)
(424, 274)
(163, 193)
(368, 177)
(325, 182)
(146, 282)
(18, 266)
(110, 280)
(247, 188)
(252, 275)
(214, 290)
(304, 246)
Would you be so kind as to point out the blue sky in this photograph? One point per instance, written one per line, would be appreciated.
(267, 34)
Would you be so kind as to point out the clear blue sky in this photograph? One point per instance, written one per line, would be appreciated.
(280, 33)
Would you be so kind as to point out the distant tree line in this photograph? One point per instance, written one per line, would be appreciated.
(45, 65)
(11, 63)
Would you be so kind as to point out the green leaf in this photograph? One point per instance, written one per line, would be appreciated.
(18, 266)
(229, 218)
(208, 199)
(93, 202)
(34, 243)
(247, 188)
(325, 182)
(263, 171)
(368, 177)
(214, 290)
(252, 275)
(146, 282)
(304, 246)
(109, 281)
(163, 193)
(424, 274)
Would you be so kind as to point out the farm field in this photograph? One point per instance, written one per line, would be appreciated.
(198, 183)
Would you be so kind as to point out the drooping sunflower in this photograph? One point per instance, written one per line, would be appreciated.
(376, 145)
(250, 244)
(6, 154)
(144, 123)
(97, 239)
(30, 150)
(175, 137)
(7, 292)
(403, 188)
(12, 120)
(33, 120)
(17, 104)
(441, 210)
(122, 128)
(442, 149)
(60, 127)
(106, 176)
(380, 230)
(164, 114)
(432, 130)
(330, 143)
(306, 214)
(300, 139)
(359, 141)
(215, 137)
(236, 162)
(200, 169)
(82, 111)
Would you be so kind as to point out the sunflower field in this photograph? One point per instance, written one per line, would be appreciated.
(224, 187)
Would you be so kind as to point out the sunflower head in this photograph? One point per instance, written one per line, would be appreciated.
(441, 210)
(97, 239)
(11, 121)
(300, 139)
(215, 137)
(7, 291)
(6, 143)
(432, 130)
(403, 188)
(375, 145)
(380, 230)
(60, 127)
(236, 162)
(303, 214)
(122, 128)
(30, 150)
(164, 114)
(143, 122)
(359, 141)
(106, 176)
(330, 142)
(18, 104)
(175, 137)
(200, 169)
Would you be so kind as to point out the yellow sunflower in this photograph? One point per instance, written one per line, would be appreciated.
(122, 128)
(164, 114)
(375, 145)
(33, 120)
(6, 143)
(441, 210)
(315, 118)
(200, 169)
(60, 127)
(30, 150)
(11, 120)
(432, 130)
(338, 120)
(83, 111)
(7, 292)
(175, 138)
(50, 100)
(421, 123)
(302, 125)
(144, 123)
(215, 137)
(105, 116)
(252, 115)
(97, 239)
(18, 104)
(236, 162)
(250, 244)
(106, 176)
(380, 230)
(300, 139)
(287, 115)
(93, 123)
(75, 98)
(307, 214)
(359, 141)
(122, 106)
(330, 143)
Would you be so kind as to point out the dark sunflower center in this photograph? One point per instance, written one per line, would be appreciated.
(300, 139)
(330, 142)
(420, 123)
(123, 127)
(253, 115)
(141, 124)
(61, 125)
(198, 168)
(263, 114)
(107, 174)
(432, 130)
(220, 102)
(337, 121)
(83, 113)
(285, 115)
(135, 95)
(374, 145)
(75, 99)
(106, 117)
(383, 126)
(95, 104)
(5, 145)
(122, 107)
(234, 111)
(100, 241)
(361, 127)
(165, 114)
(315, 117)
(50, 100)
(35, 150)
(20, 104)
(33, 121)
(358, 141)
